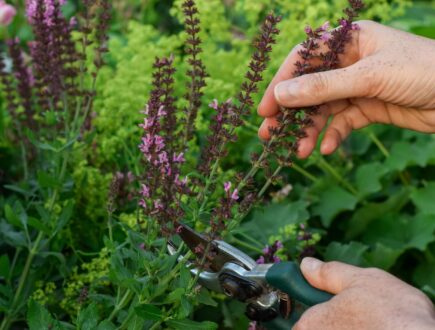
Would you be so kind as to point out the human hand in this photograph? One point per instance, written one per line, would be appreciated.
(365, 299)
(387, 76)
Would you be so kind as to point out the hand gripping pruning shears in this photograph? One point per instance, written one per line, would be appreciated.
(276, 294)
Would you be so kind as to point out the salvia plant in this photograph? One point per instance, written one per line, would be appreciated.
(89, 163)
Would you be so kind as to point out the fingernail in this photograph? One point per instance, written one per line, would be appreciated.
(327, 147)
(286, 91)
(310, 265)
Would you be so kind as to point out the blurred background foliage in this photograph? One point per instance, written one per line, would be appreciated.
(372, 203)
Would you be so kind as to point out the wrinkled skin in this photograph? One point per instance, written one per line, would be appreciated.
(366, 299)
(387, 76)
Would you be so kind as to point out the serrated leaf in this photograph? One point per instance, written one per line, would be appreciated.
(424, 198)
(148, 312)
(88, 317)
(268, 221)
(191, 325)
(382, 256)
(351, 253)
(369, 212)
(38, 317)
(402, 232)
(332, 202)
(404, 154)
(368, 177)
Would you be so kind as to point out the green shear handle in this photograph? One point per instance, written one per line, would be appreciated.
(287, 277)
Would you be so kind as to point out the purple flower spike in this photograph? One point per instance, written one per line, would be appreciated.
(235, 195)
(260, 260)
(227, 186)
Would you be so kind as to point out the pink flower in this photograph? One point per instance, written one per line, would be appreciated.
(179, 229)
(261, 260)
(145, 192)
(235, 195)
(7, 13)
(266, 250)
(179, 158)
(308, 29)
(214, 104)
(325, 26)
(227, 186)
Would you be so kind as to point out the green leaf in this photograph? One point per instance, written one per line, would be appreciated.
(88, 317)
(368, 178)
(12, 217)
(268, 221)
(45, 180)
(64, 217)
(351, 253)
(332, 202)
(404, 154)
(138, 323)
(424, 198)
(149, 312)
(370, 212)
(106, 325)
(383, 256)
(175, 295)
(35, 223)
(402, 232)
(4, 266)
(204, 298)
(38, 317)
(424, 274)
(10, 236)
(191, 325)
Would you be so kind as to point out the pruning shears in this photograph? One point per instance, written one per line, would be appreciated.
(276, 294)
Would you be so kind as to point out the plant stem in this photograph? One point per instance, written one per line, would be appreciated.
(23, 278)
(304, 172)
(387, 154)
(119, 306)
(327, 167)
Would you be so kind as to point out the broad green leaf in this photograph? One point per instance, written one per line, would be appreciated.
(106, 325)
(424, 198)
(402, 232)
(424, 273)
(404, 154)
(382, 256)
(191, 325)
(138, 323)
(149, 312)
(268, 221)
(332, 202)
(88, 317)
(45, 180)
(35, 223)
(204, 298)
(10, 236)
(368, 178)
(38, 317)
(369, 212)
(12, 217)
(175, 295)
(351, 253)
(4, 266)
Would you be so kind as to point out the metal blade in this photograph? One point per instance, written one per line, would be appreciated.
(219, 254)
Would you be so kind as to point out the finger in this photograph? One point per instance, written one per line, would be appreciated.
(341, 126)
(264, 130)
(314, 317)
(357, 80)
(332, 277)
(268, 106)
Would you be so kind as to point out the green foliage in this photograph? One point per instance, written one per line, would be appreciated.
(371, 204)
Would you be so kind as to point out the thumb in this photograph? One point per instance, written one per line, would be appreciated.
(318, 88)
(332, 277)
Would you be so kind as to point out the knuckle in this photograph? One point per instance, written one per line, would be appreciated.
(328, 267)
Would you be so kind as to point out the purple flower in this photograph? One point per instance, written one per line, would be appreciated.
(214, 105)
(276, 259)
(227, 187)
(145, 192)
(7, 13)
(279, 245)
(308, 29)
(260, 260)
(266, 250)
(325, 26)
(179, 158)
(235, 195)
